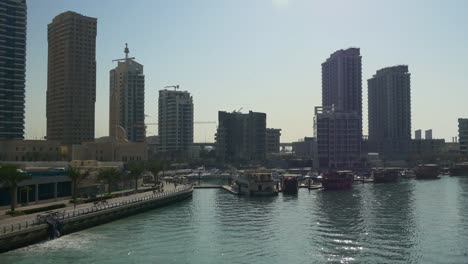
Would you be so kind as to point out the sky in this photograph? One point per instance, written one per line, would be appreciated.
(264, 56)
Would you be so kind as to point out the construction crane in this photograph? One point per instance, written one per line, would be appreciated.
(238, 111)
(126, 50)
(172, 86)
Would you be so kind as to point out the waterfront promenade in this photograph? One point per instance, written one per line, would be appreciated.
(21, 222)
(62, 200)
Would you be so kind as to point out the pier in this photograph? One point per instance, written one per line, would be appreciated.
(208, 186)
(214, 186)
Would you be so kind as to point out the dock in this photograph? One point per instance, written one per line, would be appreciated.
(209, 186)
(365, 180)
(214, 186)
(312, 186)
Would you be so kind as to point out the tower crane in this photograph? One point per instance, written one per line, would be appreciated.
(238, 111)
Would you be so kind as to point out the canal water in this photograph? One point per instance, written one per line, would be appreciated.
(406, 222)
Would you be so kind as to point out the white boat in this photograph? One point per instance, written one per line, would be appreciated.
(407, 174)
(256, 183)
(201, 172)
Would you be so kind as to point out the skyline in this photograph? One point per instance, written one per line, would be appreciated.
(273, 54)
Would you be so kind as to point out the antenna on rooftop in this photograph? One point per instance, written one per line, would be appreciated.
(126, 51)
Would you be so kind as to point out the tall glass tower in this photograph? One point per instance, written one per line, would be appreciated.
(12, 68)
(390, 112)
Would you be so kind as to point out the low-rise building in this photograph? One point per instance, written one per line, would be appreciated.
(425, 148)
(32, 150)
(110, 150)
(48, 181)
(452, 148)
(305, 148)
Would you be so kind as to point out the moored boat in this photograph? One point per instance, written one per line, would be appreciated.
(289, 184)
(256, 183)
(383, 175)
(202, 173)
(337, 180)
(459, 169)
(407, 174)
(427, 171)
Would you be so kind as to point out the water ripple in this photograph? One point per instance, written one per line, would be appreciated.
(408, 222)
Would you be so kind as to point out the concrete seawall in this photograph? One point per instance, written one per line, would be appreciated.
(91, 217)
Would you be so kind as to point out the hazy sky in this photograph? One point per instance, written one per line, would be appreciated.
(264, 55)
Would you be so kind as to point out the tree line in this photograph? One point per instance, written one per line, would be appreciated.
(11, 176)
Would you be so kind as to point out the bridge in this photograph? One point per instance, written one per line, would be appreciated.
(204, 144)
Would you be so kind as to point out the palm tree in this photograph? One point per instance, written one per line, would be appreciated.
(76, 177)
(109, 176)
(135, 169)
(155, 167)
(11, 176)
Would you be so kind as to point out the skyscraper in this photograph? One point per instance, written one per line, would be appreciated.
(127, 99)
(389, 100)
(71, 82)
(12, 68)
(175, 127)
(338, 123)
(342, 82)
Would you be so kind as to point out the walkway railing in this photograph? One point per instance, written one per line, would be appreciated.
(30, 223)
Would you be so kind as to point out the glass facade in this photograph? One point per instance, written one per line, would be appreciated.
(12, 68)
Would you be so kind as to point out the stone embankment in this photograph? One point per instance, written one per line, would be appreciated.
(34, 230)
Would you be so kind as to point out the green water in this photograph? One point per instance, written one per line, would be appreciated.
(407, 222)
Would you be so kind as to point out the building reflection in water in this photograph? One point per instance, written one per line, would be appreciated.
(241, 221)
(371, 222)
